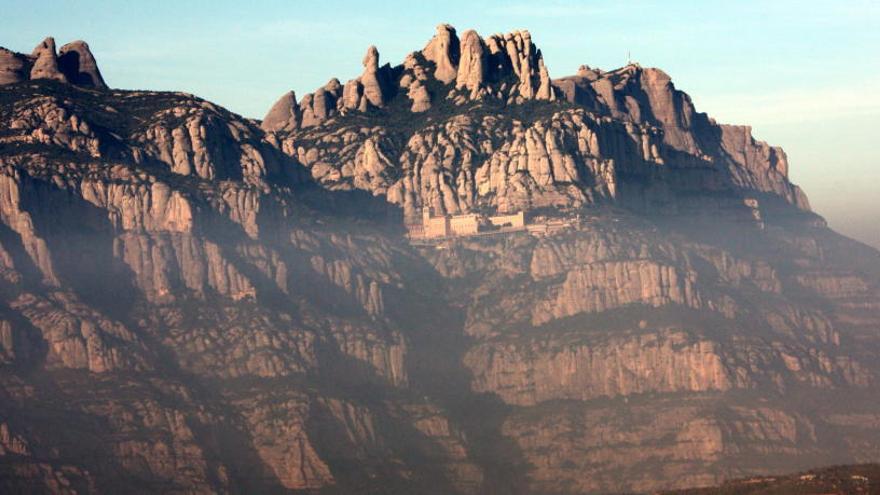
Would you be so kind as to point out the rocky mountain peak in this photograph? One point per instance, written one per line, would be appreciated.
(75, 59)
(284, 114)
(477, 124)
(443, 51)
(371, 60)
(46, 62)
(372, 80)
(74, 64)
(190, 302)
(509, 68)
(473, 66)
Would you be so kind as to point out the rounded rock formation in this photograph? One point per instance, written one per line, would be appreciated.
(472, 67)
(13, 67)
(46, 62)
(371, 80)
(284, 114)
(74, 64)
(77, 63)
(443, 50)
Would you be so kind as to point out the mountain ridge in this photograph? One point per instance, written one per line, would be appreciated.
(192, 301)
(663, 127)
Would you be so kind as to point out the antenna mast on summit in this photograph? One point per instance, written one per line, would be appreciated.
(629, 60)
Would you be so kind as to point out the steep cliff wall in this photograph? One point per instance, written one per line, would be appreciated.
(195, 302)
(480, 126)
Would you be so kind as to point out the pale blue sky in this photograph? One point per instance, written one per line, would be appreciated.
(804, 74)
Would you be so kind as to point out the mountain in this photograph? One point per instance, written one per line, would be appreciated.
(196, 302)
(74, 63)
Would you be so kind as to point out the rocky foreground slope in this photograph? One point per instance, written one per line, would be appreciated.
(836, 480)
(196, 302)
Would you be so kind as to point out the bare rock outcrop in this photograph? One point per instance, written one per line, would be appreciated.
(46, 62)
(663, 360)
(477, 68)
(420, 97)
(648, 96)
(371, 79)
(473, 65)
(13, 67)
(414, 79)
(322, 104)
(443, 51)
(602, 286)
(8, 344)
(637, 124)
(76, 61)
(281, 441)
(78, 338)
(180, 308)
(21, 222)
(285, 114)
(642, 128)
(370, 89)
(515, 52)
(666, 361)
(463, 163)
(685, 434)
(196, 139)
(74, 64)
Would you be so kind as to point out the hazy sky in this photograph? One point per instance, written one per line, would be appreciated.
(805, 75)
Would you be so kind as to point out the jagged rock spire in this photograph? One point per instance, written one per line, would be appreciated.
(443, 50)
(320, 105)
(477, 67)
(46, 62)
(370, 79)
(472, 67)
(516, 52)
(370, 88)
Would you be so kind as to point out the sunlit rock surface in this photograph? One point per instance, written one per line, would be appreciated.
(195, 302)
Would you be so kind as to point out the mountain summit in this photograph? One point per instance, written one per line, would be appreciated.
(473, 123)
(451, 275)
(74, 63)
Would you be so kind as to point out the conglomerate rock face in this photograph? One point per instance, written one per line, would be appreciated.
(195, 302)
(478, 124)
(73, 64)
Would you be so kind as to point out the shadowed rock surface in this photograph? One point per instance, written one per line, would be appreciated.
(195, 302)
(74, 64)
(76, 60)
(837, 480)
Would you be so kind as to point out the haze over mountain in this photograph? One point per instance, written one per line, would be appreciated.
(804, 75)
(198, 302)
